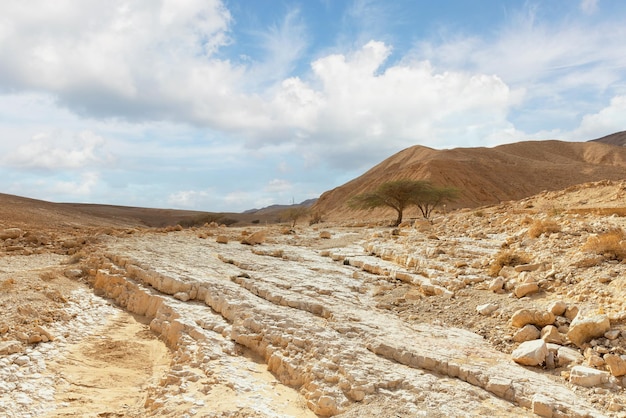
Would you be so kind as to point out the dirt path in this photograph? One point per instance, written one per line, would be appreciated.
(108, 373)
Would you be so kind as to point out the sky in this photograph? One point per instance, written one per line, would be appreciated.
(229, 105)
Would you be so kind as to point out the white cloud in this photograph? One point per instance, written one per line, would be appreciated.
(609, 120)
(55, 150)
(278, 186)
(77, 188)
(589, 6)
(189, 198)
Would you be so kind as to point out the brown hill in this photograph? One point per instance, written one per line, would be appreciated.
(17, 211)
(487, 175)
(618, 139)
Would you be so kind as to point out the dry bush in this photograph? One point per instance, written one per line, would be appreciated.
(537, 228)
(527, 220)
(507, 258)
(611, 245)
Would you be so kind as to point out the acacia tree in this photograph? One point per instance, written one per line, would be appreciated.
(401, 194)
(294, 213)
(433, 197)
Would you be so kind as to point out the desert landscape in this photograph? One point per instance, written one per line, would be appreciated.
(512, 302)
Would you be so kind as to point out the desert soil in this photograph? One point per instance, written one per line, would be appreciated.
(351, 319)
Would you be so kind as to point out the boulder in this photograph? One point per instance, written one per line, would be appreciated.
(550, 334)
(588, 377)
(325, 235)
(10, 347)
(525, 289)
(557, 308)
(496, 285)
(532, 316)
(222, 239)
(567, 355)
(582, 330)
(528, 267)
(571, 312)
(527, 333)
(10, 233)
(530, 353)
(616, 364)
(542, 405)
(487, 309)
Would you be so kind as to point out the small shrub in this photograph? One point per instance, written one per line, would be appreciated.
(316, 218)
(256, 221)
(611, 245)
(507, 258)
(538, 228)
(479, 214)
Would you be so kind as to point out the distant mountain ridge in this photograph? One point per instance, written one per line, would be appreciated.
(618, 139)
(487, 176)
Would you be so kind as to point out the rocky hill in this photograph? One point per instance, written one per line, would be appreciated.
(618, 139)
(487, 176)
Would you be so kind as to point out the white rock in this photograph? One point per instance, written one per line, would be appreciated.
(582, 330)
(525, 289)
(542, 405)
(567, 355)
(487, 309)
(530, 353)
(527, 333)
(557, 308)
(22, 360)
(550, 334)
(588, 377)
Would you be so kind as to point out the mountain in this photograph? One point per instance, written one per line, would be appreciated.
(487, 175)
(618, 139)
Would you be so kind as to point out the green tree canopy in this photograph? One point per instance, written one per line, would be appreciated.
(401, 194)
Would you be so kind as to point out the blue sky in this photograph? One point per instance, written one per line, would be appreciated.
(236, 104)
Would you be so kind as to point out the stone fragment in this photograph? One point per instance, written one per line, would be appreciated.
(616, 364)
(325, 235)
(525, 289)
(582, 330)
(550, 334)
(487, 309)
(222, 239)
(571, 312)
(527, 333)
(10, 233)
(610, 335)
(508, 272)
(45, 332)
(530, 353)
(542, 405)
(182, 296)
(588, 377)
(496, 285)
(528, 267)
(22, 360)
(531, 316)
(557, 308)
(10, 347)
(567, 355)
(255, 239)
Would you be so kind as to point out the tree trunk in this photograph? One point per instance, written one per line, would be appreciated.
(399, 219)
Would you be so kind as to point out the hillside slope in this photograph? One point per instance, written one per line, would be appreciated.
(488, 175)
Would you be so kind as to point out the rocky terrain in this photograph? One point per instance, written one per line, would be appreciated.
(517, 309)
